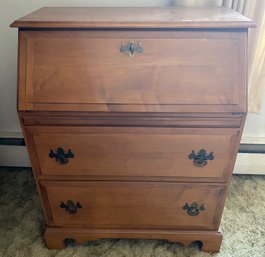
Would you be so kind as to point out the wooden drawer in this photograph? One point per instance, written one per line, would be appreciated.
(134, 204)
(161, 153)
(85, 71)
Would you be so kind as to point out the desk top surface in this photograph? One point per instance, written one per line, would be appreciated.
(133, 17)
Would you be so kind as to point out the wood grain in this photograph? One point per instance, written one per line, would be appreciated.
(147, 152)
(170, 72)
(177, 121)
(211, 240)
(132, 122)
(135, 204)
(122, 17)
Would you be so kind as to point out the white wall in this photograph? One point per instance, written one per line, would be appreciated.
(13, 9)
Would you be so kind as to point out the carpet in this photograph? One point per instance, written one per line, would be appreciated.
(22, 224)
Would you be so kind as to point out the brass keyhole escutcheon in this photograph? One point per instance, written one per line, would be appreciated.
(131, 48)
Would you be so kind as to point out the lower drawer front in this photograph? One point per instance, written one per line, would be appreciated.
(134, 204)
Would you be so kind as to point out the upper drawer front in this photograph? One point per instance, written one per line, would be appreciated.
(134, 204)
(85, 70)
(137, 152)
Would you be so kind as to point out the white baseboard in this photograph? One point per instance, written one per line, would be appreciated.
(245, 163)
(249, 163)
(12, 155)
(11, 134)
(253, 140)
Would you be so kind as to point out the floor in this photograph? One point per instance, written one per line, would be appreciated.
(22, 224)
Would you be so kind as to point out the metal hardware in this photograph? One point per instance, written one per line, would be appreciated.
(70, 207)
(194, 209)
(61, 156)
(131, 48)
(200, 159)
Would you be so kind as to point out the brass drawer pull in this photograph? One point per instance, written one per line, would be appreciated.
(200, 159)
(61, 156)
(131, 48)
(70, 207)
(194, 209)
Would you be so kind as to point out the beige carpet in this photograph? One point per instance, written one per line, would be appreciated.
(21, 224)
